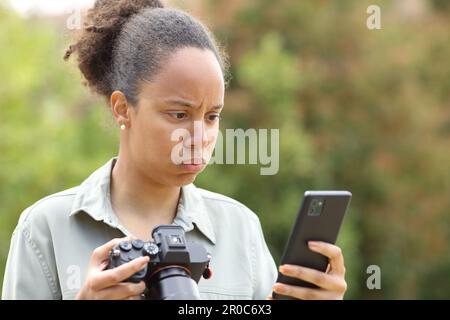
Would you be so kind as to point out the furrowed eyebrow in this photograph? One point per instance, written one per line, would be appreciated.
(187, 103)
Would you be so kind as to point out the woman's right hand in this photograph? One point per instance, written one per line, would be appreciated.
(107, 284)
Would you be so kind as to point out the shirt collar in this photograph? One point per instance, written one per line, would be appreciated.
(93, 198)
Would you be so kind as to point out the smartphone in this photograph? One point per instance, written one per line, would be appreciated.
(319, 219)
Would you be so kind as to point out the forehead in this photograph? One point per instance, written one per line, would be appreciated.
(190, 73)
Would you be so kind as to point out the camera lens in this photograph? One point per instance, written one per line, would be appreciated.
(316, 207)
(172, 283)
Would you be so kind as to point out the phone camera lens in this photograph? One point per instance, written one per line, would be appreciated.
(315, 208)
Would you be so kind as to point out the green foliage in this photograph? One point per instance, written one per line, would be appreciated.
(52, 134)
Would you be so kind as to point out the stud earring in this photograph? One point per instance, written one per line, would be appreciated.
(123, 127)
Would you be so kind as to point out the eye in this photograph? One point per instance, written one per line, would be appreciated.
(214, 117)
(178, 115)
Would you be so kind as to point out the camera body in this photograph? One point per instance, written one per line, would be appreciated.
(175, 266)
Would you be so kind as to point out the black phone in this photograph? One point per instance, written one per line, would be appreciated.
(319, 219)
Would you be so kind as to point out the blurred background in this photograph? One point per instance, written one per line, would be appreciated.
(358, 109)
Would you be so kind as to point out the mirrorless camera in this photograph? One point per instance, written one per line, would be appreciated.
(175, 266)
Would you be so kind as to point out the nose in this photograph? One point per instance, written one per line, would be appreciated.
(196, 144)
(199, 138)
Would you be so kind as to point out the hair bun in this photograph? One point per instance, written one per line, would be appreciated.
(122, 9)
(103, 24)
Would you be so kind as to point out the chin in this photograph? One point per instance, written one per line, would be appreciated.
(183, 179)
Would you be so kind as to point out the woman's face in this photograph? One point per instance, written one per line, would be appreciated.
(174, 128)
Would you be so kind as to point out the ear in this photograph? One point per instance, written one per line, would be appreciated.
(119, 108)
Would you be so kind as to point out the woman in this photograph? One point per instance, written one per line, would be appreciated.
(161, 72)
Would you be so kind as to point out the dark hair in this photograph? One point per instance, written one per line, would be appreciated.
(126, 41)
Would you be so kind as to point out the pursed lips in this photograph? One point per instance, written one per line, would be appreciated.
(195, 162)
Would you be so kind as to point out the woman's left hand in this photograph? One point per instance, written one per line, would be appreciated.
(332, 285)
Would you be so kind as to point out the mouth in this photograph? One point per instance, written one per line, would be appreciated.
(194, 162)
(194, 165)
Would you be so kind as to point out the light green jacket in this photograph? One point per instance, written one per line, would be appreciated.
(54, 239)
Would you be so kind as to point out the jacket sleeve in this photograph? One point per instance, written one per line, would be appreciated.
(27, 274)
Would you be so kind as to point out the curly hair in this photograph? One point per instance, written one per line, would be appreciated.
(126, 41)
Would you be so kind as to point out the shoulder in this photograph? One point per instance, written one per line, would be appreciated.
(49, 209)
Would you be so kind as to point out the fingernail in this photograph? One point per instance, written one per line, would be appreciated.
(278, 287)
(145, 260)
(313, 244)
(290, 267)
(284, 268)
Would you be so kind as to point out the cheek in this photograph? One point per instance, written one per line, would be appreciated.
(154, 138)
(212, 135)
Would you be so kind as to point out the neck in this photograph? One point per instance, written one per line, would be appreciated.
(134, 194)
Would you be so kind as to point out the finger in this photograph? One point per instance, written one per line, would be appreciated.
(334, 253)
(122, 291)
(101, 253)
(102, 266)
(313, 276)
(114, 276)
(301, 292)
